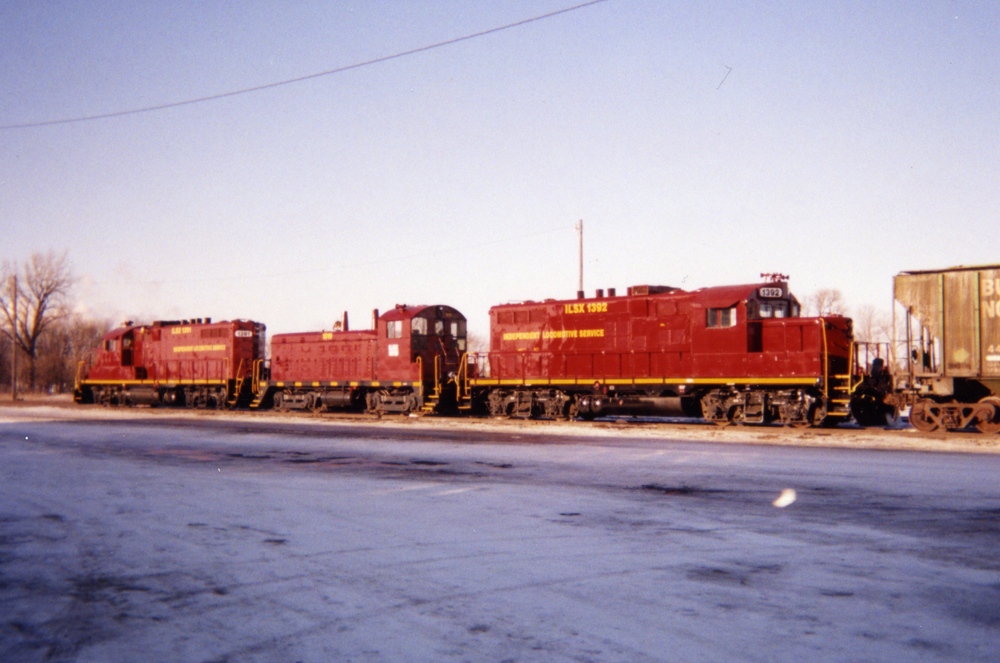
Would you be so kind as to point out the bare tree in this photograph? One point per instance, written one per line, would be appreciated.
(826, 302)
(478, 347)
(872, 325)
(38, 291)
(60, 351)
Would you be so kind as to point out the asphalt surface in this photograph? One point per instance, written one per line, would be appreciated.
(146, 536)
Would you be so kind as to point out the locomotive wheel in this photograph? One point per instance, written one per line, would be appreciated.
(498, 405)
(728, 417)
(925, 415)
(315, 404)
(992, 424)
(716, 408)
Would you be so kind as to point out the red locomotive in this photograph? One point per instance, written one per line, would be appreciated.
(408, 362)
(196, 363)
(729, 354)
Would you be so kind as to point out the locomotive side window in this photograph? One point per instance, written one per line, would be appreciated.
(394, 329)
(111, 345)
(418, 326)
(439, 327)
(719, 318)
(458, 331)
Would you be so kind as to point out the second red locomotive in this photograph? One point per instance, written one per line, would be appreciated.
(407, 363)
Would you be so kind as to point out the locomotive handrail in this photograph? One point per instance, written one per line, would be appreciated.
(79, 369)
(258, 366)
(826, 362)
(464, 389)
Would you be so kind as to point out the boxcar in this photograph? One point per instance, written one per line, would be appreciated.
(952, 360)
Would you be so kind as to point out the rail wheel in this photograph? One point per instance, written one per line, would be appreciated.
(374, 402)
(315, 403)
(721, 410)
(498, 403)
(925, 415)
(814, 415)
(992, 424)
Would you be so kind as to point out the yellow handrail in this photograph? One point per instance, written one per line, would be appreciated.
(826, 362)
(78, 380)
(463, 377)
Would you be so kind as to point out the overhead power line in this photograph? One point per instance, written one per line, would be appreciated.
(300, 79)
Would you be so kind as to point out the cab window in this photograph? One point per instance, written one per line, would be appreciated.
(419, 326)
(718, 318)
(394, 329)
(772, 309)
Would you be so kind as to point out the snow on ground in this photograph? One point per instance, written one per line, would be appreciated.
(145, 537)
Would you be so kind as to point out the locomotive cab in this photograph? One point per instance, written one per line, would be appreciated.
(733, 314)
(115, 358)
(770, 302)
(427, 340)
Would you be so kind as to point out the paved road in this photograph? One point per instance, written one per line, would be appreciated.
(247, 540)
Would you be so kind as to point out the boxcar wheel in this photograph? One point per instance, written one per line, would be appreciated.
(992, 424)
(923, 417)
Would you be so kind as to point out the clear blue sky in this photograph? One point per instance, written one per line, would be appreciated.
(701, 143)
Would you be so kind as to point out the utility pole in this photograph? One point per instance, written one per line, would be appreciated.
(13, 346)
(579, 230)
